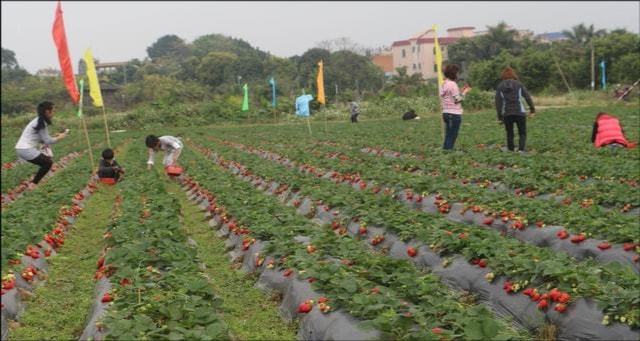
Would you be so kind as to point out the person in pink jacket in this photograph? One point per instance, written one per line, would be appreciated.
(451, 100)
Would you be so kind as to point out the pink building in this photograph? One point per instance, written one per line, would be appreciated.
(418, 54)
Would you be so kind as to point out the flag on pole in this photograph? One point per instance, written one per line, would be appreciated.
(603, 67)
(320, 81)
(438, 56)
(273, 91)
(80, 100)
(60, 39)
(94, 85)
(245, 101)
(302, 105)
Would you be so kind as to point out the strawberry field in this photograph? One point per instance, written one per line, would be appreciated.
(355, 231)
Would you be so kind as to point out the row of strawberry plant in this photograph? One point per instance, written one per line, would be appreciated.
(157, 291)
(347, 285)
(616, 194)
(462, 275)
(548, 268)
(30, 218)
(592, 220)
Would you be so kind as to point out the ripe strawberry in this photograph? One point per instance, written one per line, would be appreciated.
(287, 272)
(411, 251)
(335, 225)
(106, 298)
(528, 291)
(518, 225)
(462, 235)
(578, 238)
(305, 307)
(323, 300)
(487, 221)
(543, 304)
(482, 263)
(628, 246)
(436, 330)
(47, 252)
(125, 282)
(362, 230)
(539, 223)
(563, 234)
(375, 290)
(555, 294)
(564, 298)
(604, 245)
(535, 297)
(100, 262)
(561, 308)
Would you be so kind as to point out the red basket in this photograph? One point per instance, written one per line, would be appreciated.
(108, 181)
(173, 170)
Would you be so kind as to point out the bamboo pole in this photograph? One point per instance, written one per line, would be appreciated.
(309, 125)
(106, 126)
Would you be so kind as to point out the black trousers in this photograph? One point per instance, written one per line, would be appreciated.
(521, 122)
(45, 164)
(354, 118)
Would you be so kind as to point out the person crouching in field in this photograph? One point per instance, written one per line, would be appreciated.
(35, 134)
(451, 99)
(510, 108)
(410, 115)
(172, 147)
(109, 167)
(607, 131)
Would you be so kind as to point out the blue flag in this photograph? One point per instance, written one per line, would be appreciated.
(302, 105)
(603, 67)
(273, 91)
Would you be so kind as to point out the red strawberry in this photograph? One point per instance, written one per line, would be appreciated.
(543, 304)
(287, 272)
(604, 245)
(106, 298)
(436, 330)
(462, 235)
(564, 298)
(362, 230)
(411, 251)
(304, 307)
(562, 234)
(100, 262)
(539, 223)
(375, 290)
(561, 308)
(535, 297)
(518, 225)
(555, 294)
(636, 258)
(124, 282)
(528, 291)
(578, 238)
(482, 263)
(323, 300)
(628, 246)
(47, 252)
(487, 221)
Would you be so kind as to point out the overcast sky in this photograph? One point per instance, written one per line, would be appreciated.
(120, 31)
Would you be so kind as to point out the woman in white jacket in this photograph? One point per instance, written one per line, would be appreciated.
(172, 147)
(35, 134)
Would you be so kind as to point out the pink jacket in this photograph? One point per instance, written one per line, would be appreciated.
(450, 97)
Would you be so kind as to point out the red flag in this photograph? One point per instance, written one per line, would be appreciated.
(60, 39)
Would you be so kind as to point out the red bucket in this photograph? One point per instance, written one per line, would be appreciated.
(173, 170)
(108, 181)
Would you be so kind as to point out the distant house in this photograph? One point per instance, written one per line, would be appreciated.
(48, 72)
(551, 37)
(417, 53)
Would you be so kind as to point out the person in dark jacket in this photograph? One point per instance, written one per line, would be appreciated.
(108, 167)
(410, 115)
(510, 109)
(355, 111)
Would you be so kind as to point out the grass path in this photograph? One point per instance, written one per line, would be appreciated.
(58, 309)
(249, 312)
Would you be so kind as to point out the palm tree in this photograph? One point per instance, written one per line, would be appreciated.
(582, 35)
(500, 37)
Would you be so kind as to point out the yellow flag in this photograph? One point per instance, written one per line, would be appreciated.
(320, 80)
(438, 57)
(94, 85)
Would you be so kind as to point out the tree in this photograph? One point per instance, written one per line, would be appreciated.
(170, 46)
(217, 68)
(582, 35)
(8, 59)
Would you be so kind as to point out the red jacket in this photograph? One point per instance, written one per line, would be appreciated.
(608, 130)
